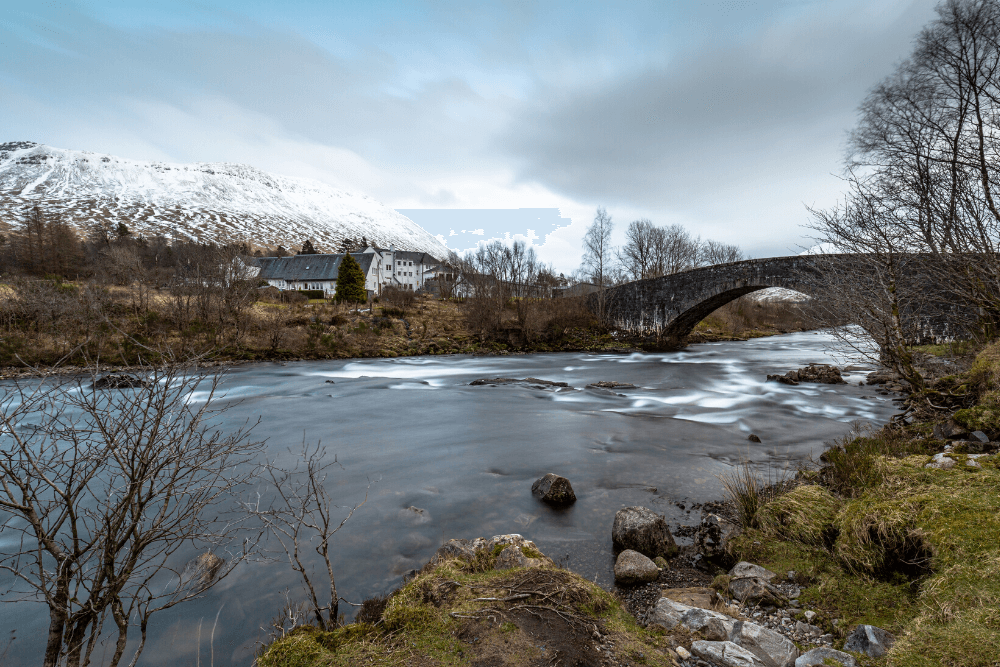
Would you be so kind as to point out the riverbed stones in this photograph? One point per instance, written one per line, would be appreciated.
(753, 437)
(767, 647)
(745, 569)
(870, 640)
(980, 436)
(632, 568)
(554, 490)
(823, 657)
(643, 530)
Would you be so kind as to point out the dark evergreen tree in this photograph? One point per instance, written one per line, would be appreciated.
(307, 248)
(281, 252)
(123, 230)
(350, 281)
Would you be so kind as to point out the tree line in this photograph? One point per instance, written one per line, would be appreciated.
(650, 251)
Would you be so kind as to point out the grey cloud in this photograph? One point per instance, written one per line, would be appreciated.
(715, 118)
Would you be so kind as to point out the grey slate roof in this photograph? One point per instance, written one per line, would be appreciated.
(415, 257)
(308, 267)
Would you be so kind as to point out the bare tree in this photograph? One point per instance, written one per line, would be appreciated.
(639, 255)
(303, 519)
(714, 252)
(598, 257)
(100, 496)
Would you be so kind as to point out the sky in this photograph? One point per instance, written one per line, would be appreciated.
(514, 118)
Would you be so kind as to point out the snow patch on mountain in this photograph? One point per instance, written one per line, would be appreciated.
(200, 201)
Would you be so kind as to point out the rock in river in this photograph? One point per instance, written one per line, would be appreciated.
(632, 568)
(531, 382)
(120, 381)
(554, 490)
(821, 373)
(643, 530)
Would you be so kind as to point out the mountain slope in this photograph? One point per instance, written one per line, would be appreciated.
(200, 201)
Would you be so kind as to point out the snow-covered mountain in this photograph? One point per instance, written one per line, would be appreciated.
(201, 201)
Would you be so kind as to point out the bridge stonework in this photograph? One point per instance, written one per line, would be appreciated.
(670, 306)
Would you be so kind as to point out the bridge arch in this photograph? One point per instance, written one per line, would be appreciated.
(671, 306)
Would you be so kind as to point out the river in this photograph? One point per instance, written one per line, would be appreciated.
(441, 459)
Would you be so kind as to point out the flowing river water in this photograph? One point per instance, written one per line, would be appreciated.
(442, 459)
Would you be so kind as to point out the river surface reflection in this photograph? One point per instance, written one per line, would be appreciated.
(466, 458)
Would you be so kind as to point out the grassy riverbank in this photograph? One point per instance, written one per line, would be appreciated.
(875, 536)
(48, 322)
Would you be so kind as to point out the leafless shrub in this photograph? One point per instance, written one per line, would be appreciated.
(303, 518)
(102, 493)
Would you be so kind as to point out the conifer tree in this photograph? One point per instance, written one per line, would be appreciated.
(307, 248)
(350, 281)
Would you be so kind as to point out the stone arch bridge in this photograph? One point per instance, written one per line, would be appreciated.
(670, 306)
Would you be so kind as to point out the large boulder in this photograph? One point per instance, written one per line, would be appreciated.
(772, 648)
(643, 530)
(554, 490)
(631, 568)
(823, 657)
(871, 641)
(726, 653)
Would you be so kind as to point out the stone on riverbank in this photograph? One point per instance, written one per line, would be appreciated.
(745, 569)
(712, 538)
(554, 490)
(607, 384)
(643, 530)
(873, 642)
(632, 568)
(726, 653)
(823, 656)
(703, 598)
(755, 590)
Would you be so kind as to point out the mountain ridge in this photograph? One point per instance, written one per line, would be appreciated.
(204, 201)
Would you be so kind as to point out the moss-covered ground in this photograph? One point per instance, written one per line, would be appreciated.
(877, 537)
(462, 613)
